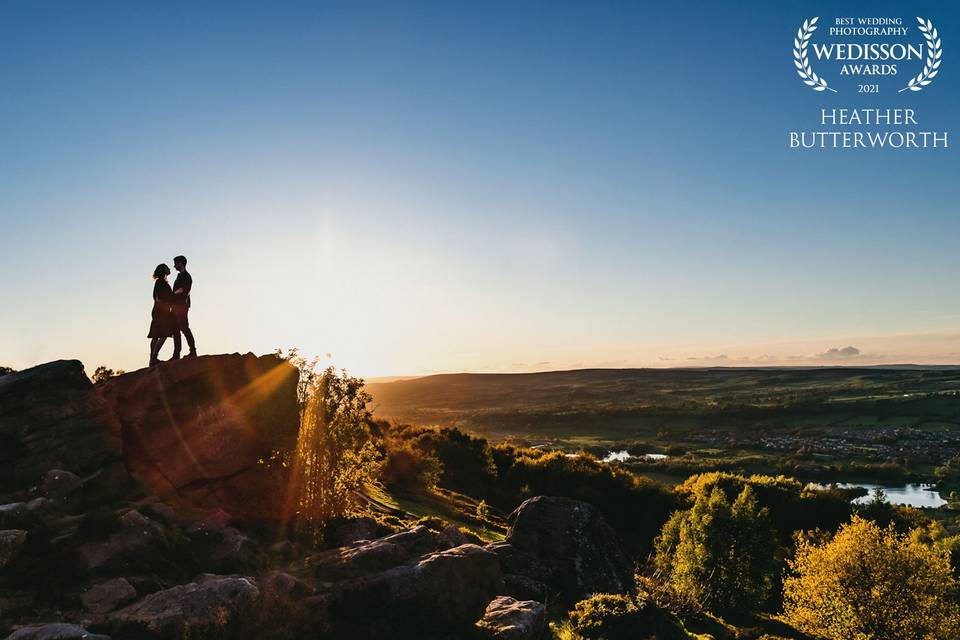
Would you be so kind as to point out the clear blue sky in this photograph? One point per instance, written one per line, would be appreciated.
(416, 187)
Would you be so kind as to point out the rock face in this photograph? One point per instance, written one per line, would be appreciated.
(567, 546)
(198, 428)
(210, 605)
(51, 419)
(508, 619)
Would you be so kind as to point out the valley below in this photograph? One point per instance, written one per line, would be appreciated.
(871, 425)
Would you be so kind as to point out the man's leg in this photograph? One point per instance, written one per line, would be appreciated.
(184, 324)
(176, 345)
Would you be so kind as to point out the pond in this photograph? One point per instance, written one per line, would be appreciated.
(624, 456)
(912, 495)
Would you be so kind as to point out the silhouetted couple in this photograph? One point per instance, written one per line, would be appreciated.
(170, 308)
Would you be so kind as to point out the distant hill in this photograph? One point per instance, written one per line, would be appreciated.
(484, 401)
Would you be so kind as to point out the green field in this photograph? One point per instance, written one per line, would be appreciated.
(892, 422)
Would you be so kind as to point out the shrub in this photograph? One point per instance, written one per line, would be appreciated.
(483, 510)
(722, 556)
(102, 373)
(409, 469)
(871, 583)
(609, 616)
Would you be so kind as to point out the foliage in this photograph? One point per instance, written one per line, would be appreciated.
(336, 456)
(721, 555)
(948, 475)
(466, 461)
(884, 514)
(872, 583)
(409, 469)
(307, 368)
(791, 506)
(483, 510)
(102, 373)
(610, 617)
(636, 506)
(6, 370)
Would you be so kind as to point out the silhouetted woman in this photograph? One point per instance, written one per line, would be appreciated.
(164, 323)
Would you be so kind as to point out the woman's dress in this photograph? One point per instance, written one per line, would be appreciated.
(163, 322)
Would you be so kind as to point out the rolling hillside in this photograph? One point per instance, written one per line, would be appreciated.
(605, 399)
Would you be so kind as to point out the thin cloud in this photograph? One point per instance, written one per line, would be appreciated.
(843, 353)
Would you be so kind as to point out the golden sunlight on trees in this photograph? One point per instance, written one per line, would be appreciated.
(721, 556)
(336, 455)
(869, 583)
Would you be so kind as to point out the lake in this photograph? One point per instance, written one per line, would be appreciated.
(912, 495)
(624, 456)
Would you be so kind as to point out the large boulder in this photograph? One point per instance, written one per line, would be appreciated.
(402, 586)
(566, 545)
(140, 543)
(54, 631)
(51, 419)
(107, 596)
(452, 588)
(212, 605)
(201, 428)
(509, 619)
(370, 556)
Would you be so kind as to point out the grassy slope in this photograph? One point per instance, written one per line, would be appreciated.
(456, 508)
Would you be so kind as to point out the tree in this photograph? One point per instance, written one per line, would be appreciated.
(101, 373)
(871, 583)
(336, 456)
(722, 556)
(6, 370)
(948, 475)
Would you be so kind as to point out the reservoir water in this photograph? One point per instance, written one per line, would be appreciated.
(913, 495)
(624, 456)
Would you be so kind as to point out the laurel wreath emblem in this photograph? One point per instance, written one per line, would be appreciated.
(810, 78)
(932, 67)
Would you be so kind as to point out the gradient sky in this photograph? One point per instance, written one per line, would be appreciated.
(421, 187)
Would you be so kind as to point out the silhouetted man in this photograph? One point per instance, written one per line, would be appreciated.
(181, 306)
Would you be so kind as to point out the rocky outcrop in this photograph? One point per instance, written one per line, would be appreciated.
(199, 429)
(79, 462)
(566, 546)
(210, 605)
(117, 496)
(50, 419)
(509, 619)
